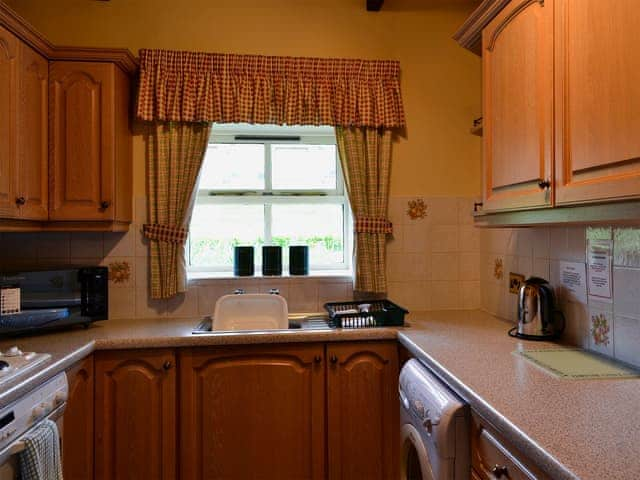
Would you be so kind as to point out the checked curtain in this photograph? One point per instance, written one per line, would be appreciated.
(182, 93)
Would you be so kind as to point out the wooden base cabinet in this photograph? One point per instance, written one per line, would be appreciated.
(363, 410)
(135, 415)
(77, 426)
(252, 412)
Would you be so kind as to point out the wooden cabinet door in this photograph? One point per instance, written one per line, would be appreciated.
(32, 135)
(597, 101)
(82, 140)
(363, 410)
(518, 106)
(252, 412)
(77, 449)
(135, 415)
(8, 123)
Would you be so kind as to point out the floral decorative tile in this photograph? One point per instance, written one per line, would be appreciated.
(601, 331)
(120, 272)
(417, 209)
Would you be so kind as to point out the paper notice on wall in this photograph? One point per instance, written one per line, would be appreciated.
(599, 254)
(573, 282)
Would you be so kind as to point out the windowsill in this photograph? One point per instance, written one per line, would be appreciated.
(204, 277)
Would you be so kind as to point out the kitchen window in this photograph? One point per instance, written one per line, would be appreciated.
(270, 185)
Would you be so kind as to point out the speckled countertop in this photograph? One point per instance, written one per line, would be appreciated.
(586, 429)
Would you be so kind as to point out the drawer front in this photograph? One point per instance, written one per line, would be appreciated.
(493, 459)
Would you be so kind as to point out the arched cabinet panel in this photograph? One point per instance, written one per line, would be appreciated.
(518, 106)
(362, 403)
(252, 412)
(8, 123)
(135, 415)
(77, 450)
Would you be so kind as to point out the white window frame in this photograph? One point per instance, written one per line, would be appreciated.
(228, 133)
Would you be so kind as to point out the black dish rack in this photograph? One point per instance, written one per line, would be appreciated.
(365, 314)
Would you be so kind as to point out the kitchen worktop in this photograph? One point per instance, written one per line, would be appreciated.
(585, 428)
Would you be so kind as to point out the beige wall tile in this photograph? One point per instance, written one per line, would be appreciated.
(86, 245)
(407, 266)
(118, 276)
(445, 238)
(470, 295)
(120, 244)
(395, 241)
(146, 307)
(626, 291)
(208, 296)
(53, 245)
(122, 303)
(416, 237)
(443, 210)
(445, 295)
(626, 338)
(333, 292)
(540, 242)
(303, 297)
(465, 210)
(469, 238)
(445, 266)
(469, 267)
(183, 305)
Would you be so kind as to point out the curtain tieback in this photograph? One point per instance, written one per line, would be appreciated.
(165, 233)
(373, 225)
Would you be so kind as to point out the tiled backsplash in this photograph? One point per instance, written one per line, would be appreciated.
(433, 263)
(126, 255)
(612, 329)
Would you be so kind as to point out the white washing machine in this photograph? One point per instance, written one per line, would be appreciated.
(434, 427)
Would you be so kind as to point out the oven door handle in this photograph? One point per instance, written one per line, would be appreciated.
(18, 445)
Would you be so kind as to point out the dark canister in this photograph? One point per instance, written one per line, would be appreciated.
(271, 260)
(299, 260)
(243, 264)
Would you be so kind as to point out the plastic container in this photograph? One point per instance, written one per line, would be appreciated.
(365, 314)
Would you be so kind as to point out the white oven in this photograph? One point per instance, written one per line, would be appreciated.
(46, 401)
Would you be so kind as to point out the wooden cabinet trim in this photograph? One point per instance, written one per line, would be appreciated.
(122, 57)
(506, 20)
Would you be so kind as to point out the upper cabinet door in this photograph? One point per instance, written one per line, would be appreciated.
(8, 104)
(82, 133)
(597, 100)
(32, 136)
(518, 106)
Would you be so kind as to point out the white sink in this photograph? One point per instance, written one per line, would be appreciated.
(253, 311)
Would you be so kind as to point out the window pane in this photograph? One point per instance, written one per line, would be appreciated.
(316, 225)
(216, 229)
(233, 167)
(303, 167)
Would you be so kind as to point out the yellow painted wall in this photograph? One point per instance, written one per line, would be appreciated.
(440, 80)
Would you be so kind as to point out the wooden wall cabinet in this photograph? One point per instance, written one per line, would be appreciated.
(77, 427)
(90, 143)
(363, 411)
(517, 67)
(597, 101)
(135, 415)
(252, 412)
(65, 139)
(23, 130)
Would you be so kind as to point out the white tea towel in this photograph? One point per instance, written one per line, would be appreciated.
(40, 460)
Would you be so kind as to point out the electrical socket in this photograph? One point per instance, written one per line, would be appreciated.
(515, 282)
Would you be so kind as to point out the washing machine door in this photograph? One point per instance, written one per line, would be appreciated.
(415, 463)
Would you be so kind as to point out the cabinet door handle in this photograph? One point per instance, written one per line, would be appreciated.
(498, 471)
(104, 205)
(317, 359)
(333, 359)
(21, 201)
(544, 184)
(167, 365)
